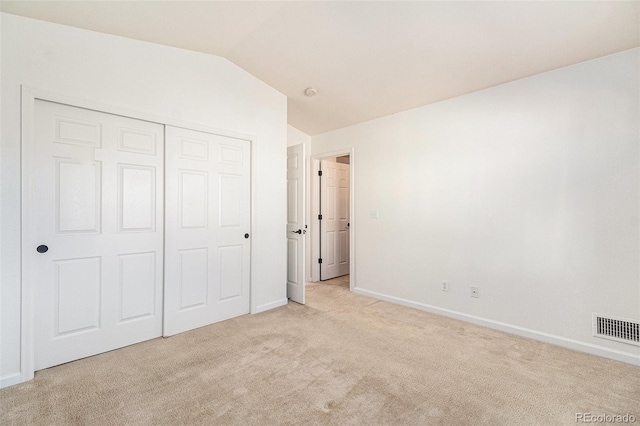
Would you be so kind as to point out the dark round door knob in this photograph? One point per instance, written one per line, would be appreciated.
(246, 235)
(42, 249)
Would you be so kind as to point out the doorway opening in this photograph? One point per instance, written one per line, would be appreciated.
(334, 217)
(332, 242)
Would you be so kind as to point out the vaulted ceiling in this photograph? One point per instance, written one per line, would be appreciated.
(366, 59)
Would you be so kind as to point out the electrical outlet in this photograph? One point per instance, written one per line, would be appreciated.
(445, 286)
(475, 292)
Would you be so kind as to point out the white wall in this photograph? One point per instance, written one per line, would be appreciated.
(297, 137)
(151, 79)
(529, 190)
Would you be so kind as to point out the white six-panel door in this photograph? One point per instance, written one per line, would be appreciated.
(295, 223)
(334, 205)
(343, 215)
(97, 213)
(207, 227)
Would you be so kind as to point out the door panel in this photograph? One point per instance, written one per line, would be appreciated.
(77, 295)
(343, 248)
(192, 199)
(231, 261)
(136, 198)
(78, 196)
(295, 223)
(230, 200)
(334, 204)
(97, 205)
(137, 286)
(193, 267)
(207, 216)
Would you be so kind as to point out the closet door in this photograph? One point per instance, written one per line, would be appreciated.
(96, 237)
(207, 228)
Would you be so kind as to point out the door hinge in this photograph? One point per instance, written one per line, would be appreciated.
(320, 260)
(319, 217)
(319, 172)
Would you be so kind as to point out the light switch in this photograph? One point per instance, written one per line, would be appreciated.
(373, 214)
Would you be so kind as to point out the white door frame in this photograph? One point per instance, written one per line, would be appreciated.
(315, 223)
(29, 96)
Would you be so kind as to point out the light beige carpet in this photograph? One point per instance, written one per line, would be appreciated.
(343, 359)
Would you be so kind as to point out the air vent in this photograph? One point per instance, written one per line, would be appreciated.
(618, 329)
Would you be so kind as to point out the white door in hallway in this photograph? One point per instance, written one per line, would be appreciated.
(334, 207)
(207, 245)
(96, 241)
(295, 223)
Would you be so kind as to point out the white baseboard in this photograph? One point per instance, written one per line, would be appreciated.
(272, 305)
(10, 380)
(589, 348)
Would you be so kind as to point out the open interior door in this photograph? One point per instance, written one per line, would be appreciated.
(334, 225)
(295, 223)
